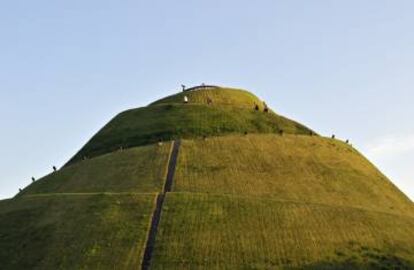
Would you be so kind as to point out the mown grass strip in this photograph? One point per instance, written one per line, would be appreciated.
(290, 167)
(204, 231)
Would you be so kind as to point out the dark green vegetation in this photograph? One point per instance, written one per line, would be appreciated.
(225, 96)
(74, 231)
(265, 200)
(169, 121)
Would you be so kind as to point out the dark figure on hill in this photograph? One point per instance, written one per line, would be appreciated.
(347, 141)
(54, 169)
(33, 179)
(209, 101)
(333, 136)
(205, 137)
(245, 133)
(281, 132)
(256, 107)
(20, 190)
(311, 133)
(183, 87)
(266, 109)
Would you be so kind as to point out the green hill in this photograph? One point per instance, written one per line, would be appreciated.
(170, 119)
(210, 184)
(82, 231)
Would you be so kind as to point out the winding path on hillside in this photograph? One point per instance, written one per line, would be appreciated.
(156, 216)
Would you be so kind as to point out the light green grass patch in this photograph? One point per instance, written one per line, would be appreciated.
(140, 169)
(202, 231)
(298, 168)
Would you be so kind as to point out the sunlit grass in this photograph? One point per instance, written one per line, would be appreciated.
(205, 231)
(298, 168)
(139, 169)
(170, 121)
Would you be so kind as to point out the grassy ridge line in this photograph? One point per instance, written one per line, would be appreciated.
(88, 193)
(137, 169)
(168, 122)
(74, 232)
(223, 96)
(202, 231)
(298, 168)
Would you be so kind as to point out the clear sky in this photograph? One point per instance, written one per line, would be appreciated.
(67, 67)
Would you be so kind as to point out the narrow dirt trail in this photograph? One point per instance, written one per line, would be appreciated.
(156, 216)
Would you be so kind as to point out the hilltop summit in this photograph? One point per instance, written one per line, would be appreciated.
(209, 178)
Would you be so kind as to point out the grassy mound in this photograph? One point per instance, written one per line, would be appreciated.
(166, 122)
(140, 169)
(297, 168)
(263, 200)
(218, 96)
(74, 232)
(201, 231)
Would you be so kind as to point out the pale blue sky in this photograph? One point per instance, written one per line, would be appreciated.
(67, 67)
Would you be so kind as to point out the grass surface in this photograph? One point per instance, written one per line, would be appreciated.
(166, 122)
(140, 169)
(202, 231)
(298, 168)
(219, 96)
(74, 232)
(255, 201)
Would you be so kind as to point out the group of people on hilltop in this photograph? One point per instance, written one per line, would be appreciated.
(265, 108)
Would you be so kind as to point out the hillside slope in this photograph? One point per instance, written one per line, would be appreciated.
(74, 232)
(250, 190)
(290, 167)
(138, 169)
(233, 97)
(200, 231)
(171, 120)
